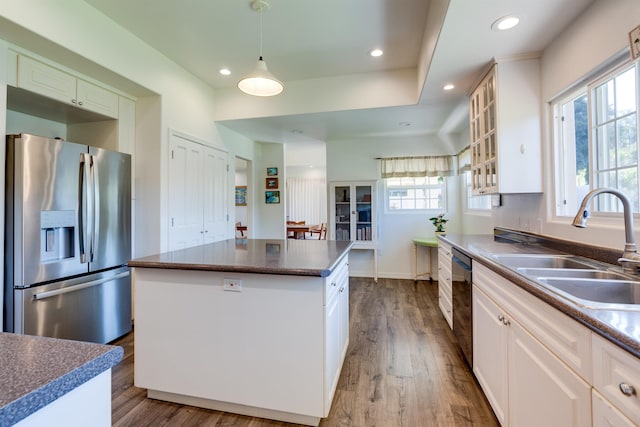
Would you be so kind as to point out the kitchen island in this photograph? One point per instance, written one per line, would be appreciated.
(249, 326)
(54, 382)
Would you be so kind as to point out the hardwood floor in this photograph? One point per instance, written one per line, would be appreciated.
(402, 369)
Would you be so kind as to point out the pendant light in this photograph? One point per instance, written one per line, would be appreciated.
(260, 82)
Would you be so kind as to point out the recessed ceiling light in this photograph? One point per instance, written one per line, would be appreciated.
(448, 86)
(505, 23)
(376, 52)
(225, 71)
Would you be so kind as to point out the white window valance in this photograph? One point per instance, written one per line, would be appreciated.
(464, 160)
(399, 167)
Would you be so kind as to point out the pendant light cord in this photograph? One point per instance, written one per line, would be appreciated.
(261, 8)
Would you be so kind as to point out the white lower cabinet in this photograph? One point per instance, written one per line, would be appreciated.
(490, 352)
(525, 382)
(337, 327)
(444, 282)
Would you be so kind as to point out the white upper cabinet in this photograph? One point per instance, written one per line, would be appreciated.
(48, 81)
(505, 129)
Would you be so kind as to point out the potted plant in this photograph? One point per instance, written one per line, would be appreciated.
(439, 222)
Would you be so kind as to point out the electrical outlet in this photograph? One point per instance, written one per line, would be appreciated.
(234, 285)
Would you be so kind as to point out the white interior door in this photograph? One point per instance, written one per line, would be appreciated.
(214, 172)
(185, 193)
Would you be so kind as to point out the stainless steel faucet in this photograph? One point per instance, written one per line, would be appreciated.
(630, 260)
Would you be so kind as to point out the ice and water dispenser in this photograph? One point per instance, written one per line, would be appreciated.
(57, 229)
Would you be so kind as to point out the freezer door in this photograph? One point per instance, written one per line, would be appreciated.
(42, 209)
(111, 172)
(95, 308)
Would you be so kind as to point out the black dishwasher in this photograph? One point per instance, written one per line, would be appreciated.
(461, 301)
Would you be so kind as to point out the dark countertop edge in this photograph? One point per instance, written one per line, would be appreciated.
(565, 306)
(37, 399)
(325, 272)
(230, 269)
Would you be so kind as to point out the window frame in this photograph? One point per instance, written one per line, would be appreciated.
(586, 87)
(388, 188)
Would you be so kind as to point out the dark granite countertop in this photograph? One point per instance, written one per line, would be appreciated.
(35, 371)
(621, 327)
(263, 256)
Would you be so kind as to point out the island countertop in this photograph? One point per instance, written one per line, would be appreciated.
(35, 371)
(263, 256)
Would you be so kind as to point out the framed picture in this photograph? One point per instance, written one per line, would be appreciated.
(272, 171)
(272, 183)
(272, 197)
(241, 195)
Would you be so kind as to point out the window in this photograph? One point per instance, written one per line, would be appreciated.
(482, 202)
(596, 142)
(423, 193)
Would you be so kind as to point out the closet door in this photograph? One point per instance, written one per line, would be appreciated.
(214, 174)
(186, 211)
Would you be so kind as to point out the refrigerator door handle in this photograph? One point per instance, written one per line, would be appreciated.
(95, 173)
(55, 292)
(83, 206)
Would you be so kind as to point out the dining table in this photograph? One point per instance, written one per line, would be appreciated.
(298, 230)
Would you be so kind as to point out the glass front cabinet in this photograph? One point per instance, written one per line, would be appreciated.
(353, 213)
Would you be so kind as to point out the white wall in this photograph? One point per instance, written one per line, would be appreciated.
(355, 160)
(599, 34)
(186, 103)
(269, 219)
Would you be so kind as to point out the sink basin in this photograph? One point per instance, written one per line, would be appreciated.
(597, 293)
(577, 273)
(542, 261)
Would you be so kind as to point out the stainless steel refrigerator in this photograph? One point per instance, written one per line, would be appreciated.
(68, 239)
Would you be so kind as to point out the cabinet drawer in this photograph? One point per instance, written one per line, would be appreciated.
(614, 369)
(565, 337)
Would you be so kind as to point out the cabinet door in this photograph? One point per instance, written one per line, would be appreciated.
(214, 198)
(343, 294)
(96, 99)
(342, 212)
(45, 80)
(543, 391)
(185, 194)
(490, 352)
(362, 207)
(444, 283)
(605, 415)
(332, 342)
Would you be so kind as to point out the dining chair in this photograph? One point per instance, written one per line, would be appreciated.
(239, 224)
(320, 230)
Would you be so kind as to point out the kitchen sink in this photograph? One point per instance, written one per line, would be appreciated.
(596, 293)
(542, 261)
(585, 282)
(578, 273)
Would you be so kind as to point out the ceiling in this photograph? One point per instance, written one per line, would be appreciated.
(311, 40)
